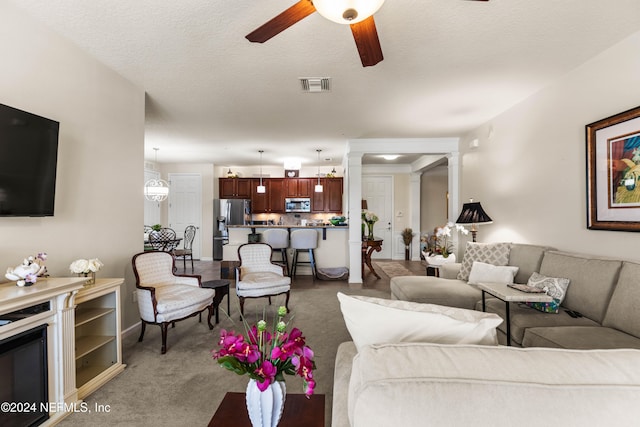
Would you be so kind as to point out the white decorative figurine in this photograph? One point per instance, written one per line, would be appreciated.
(27, 273)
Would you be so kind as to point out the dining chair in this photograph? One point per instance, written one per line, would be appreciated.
(163, 240)
(187, 247)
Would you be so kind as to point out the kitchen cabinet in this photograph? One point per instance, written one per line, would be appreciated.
(272, 200)
(234, 188)
(298, 187)
(330, 200)
(98, 341)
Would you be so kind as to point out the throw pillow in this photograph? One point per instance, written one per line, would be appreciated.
(380, 321)
(555, 287)
(491, 253)
(487, 273)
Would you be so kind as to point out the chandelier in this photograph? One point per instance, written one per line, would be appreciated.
(156, 190)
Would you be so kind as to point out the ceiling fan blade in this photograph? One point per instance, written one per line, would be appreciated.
(295, 13)
(366, 37)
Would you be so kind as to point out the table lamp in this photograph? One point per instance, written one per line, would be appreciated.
(472, 213)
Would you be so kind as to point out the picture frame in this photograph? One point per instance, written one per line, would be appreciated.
(613, 172)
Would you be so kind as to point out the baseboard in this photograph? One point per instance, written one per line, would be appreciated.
(130, 329)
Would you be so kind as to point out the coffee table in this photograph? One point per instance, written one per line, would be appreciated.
(298, 411)
(222, 289)
(507, 294)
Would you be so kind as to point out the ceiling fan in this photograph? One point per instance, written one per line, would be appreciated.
(357, 13)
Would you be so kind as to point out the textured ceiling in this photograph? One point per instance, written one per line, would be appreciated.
(449, 66)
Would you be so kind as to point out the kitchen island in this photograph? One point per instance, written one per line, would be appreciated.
(332, 250)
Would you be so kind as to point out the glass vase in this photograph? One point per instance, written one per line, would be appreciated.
(370, 227)
(91, 277)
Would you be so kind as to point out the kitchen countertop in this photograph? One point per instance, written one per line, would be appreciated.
(345, 227)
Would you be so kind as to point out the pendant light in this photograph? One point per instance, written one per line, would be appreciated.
(318, 188)
(261, 188)
(156, 190)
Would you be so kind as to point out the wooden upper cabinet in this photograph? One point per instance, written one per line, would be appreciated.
(330, 200)
(276, 195)
(333, 199)
(278, 189)
(234, 188)
(317, 199)
(298, 187)
(272, 200)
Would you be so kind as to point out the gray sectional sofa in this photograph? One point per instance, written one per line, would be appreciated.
(590, 378)
(604, 292)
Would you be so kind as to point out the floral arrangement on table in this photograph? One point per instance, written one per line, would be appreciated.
(370, 219)
(27, 273)
(86, 268)
(266, 356)
(438, 243)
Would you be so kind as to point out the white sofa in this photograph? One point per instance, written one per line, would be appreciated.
(420, 384)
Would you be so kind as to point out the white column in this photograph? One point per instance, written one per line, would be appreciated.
(67, 312)
(355, 217)
(415, 215)
(454, 194)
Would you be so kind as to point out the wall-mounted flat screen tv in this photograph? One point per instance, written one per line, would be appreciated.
(28, 160)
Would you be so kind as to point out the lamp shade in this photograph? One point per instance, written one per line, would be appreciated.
(347, 11)
(472, 213)
(364, 205)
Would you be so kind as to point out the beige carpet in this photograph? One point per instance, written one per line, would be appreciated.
(185, 386)
(392, 269)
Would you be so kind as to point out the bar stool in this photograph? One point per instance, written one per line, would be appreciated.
(304, 240)
(278, 239)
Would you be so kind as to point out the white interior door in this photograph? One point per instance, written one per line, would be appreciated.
(151, 209)
(185, 206)
(378, 192)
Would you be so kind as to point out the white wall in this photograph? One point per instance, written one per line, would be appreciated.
(433, 200)
(529, 172)
(99, 205)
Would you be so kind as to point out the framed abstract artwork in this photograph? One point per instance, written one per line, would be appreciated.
(613, 172)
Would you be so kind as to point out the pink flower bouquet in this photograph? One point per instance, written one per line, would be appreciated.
(266, 356)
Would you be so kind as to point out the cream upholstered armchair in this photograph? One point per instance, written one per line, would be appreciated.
(257, 276)
(165, 297)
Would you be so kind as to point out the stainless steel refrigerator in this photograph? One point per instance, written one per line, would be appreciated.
(228, 212)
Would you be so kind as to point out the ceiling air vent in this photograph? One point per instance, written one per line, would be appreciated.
(315, 84)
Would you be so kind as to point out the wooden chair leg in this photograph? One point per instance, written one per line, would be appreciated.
(269, 300)
(210, 309)
(142, 329)
(241, 307)
(191, 256)
(164, 326)
(285, 260)
(286, 302)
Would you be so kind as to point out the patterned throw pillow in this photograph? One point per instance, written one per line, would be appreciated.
(490, 253)
(555, 287)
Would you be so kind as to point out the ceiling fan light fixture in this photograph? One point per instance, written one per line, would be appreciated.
(347, 11)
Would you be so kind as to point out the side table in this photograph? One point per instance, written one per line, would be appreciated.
(507, 294)
(298, 411)
(368, 247)
(222, 289)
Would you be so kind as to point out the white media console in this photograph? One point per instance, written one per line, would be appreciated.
(84, 346)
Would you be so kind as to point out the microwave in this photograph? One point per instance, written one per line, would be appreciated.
(301, 204)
